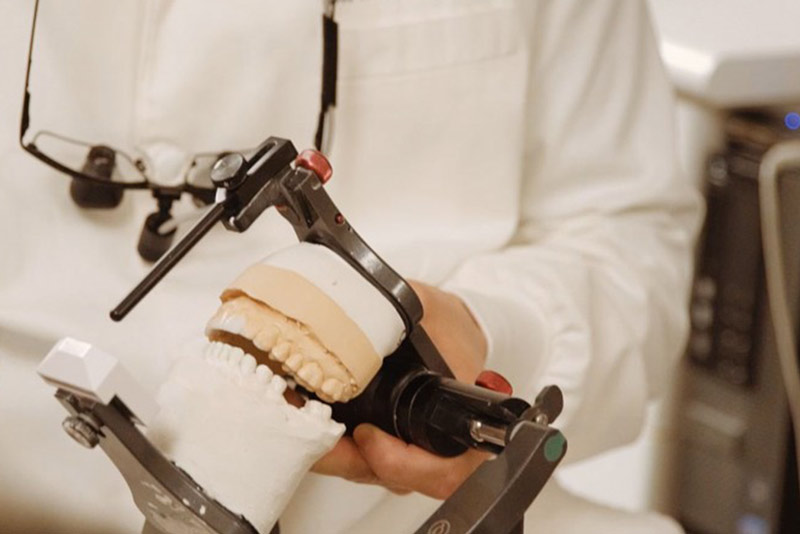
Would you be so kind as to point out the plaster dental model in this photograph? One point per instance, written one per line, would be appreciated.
(224, 420)
(306, 312)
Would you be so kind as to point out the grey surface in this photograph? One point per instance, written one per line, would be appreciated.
(733, 438)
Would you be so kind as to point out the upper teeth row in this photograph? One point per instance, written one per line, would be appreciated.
(268, 339)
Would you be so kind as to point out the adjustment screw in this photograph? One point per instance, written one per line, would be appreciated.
(316, 162)
(81, 431)
(226, 171)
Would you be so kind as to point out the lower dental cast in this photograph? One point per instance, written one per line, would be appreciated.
(225, 421)
(303, 312)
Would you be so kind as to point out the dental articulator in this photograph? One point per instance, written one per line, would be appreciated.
(347, 363)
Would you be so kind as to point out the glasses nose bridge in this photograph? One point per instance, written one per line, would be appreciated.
(165, 162)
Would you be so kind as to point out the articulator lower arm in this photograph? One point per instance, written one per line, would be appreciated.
(413, 396)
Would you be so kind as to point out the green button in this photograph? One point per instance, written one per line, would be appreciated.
(554, 447)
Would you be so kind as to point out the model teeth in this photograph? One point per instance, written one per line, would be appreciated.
(280, 352)
(248, 364)
(294, 362)
(263, 373)
(266, 339)
(235, 355)
(282, 340)
(244, 370)
(317, 409)
(333, 389)
(278, 384)
(213, 324)
(311, 374)
(233, 324)
(212, 350)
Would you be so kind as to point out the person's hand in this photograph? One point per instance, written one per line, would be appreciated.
(375, 457)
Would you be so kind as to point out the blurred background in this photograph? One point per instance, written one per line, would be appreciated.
(718, 454)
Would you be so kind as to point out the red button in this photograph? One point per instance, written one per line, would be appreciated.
(316, 162)
(494, 381)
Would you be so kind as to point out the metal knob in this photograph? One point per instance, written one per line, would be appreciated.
(81, 431)
(226, 172)
(316, 162)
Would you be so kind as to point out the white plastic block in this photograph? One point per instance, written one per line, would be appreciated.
(89, 372)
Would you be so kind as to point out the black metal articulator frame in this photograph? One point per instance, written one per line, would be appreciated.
(414, 395)
(492, 500)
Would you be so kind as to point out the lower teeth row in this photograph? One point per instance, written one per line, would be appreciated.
(235, 359)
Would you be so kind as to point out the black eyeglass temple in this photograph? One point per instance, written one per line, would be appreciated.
(330, 46)
(26, 99)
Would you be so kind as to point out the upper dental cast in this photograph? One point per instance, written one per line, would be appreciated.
(333, 327)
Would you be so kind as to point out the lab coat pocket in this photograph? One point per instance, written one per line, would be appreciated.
(390, 37)
(429, 115)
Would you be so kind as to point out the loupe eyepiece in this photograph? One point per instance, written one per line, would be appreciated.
(157, 233)
(153, 242)
(100, 163)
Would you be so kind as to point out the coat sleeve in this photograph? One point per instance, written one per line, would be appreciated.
(591, 292)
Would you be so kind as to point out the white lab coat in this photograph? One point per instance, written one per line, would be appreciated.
(518, 153)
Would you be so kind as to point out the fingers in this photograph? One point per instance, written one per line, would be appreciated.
(453, 330)
(345, 461)
(374, 457)
(401, 466)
